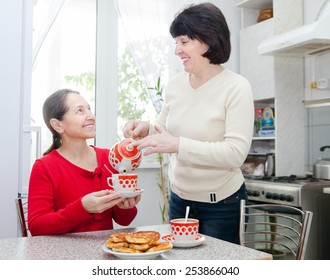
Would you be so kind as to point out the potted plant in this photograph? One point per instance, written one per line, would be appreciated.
(163, 186)
(162, 158)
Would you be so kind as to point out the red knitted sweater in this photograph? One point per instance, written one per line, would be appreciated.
(55, 191)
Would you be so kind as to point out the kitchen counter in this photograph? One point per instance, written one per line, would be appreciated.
(88, 246)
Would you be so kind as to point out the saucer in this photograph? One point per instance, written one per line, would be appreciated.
(134, 193)
(200, 239)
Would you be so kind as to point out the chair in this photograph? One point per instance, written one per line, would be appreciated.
(274, 226)
(21, 208)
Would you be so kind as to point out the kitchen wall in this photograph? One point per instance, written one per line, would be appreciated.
(317, 134)
(11, 75)
(317, 120)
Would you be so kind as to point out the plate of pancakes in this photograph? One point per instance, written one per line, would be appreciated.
(139, 245)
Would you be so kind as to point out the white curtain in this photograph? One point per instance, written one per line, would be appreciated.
(42, 24)
(145, 26)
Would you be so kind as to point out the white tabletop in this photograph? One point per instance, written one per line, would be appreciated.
(88, 246)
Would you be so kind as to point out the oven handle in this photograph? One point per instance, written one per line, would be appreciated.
(269, 165)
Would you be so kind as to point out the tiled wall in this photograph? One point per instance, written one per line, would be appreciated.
(317, 134)
(317, 120)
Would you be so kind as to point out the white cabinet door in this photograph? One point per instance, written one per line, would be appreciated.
(259, 70)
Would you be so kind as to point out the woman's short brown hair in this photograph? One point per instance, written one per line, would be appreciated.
(206, 23)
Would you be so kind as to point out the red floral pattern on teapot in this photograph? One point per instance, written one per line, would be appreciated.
(124, 157)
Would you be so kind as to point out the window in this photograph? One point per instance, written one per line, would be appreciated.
(64, 42)
(146, 53)
(74, 39)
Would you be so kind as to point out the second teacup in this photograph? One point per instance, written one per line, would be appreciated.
(185, 231)
(123, 182)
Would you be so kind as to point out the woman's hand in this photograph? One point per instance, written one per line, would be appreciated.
(158, 143)
(128, 203)
(136, 129)
(98, 202)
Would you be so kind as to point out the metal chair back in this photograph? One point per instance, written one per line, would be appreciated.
(270, 227)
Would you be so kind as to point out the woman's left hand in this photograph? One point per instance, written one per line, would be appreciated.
(128, 203)
(163, 142)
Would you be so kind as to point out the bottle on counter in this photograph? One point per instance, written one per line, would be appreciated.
(257, 120)
(267, 123)
(267, 120)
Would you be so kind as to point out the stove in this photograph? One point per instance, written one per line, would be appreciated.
(304, 193)
(281, 190)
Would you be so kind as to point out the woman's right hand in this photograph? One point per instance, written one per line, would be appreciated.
(136, 129)
(98, 202)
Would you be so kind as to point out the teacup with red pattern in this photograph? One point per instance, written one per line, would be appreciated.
(185, 231)
(123, 182)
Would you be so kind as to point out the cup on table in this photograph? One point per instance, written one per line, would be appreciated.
(183, 231)
(123, 182)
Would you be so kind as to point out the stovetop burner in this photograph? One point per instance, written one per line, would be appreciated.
(286, 179)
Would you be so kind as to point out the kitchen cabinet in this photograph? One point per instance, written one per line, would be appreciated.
(280, 37)
(252, 63)
(250, 10)
(317, 67)
(263, 70)
(277, 82)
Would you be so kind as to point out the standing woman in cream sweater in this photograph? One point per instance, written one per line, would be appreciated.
(206, 124)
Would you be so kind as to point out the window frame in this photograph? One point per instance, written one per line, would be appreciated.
(106, 78)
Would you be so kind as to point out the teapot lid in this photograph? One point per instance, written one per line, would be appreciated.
(127, 150)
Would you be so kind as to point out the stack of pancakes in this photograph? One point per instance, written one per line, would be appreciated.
(137, 242)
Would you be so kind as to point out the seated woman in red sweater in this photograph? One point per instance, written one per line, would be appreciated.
(68, 189)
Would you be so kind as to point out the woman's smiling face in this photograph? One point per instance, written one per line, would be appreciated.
(78, 121)
(190, 52)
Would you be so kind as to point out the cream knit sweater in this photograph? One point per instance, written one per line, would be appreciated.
(215, 126)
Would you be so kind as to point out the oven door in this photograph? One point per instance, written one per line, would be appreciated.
(316, 198)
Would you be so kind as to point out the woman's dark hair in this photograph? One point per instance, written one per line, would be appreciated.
(55, 108)
(206, 23)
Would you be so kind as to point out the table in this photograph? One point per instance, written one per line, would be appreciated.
(88, 246)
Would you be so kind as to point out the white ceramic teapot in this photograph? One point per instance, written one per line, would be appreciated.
(124, 157)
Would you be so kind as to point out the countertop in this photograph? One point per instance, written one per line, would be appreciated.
(88, 246)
